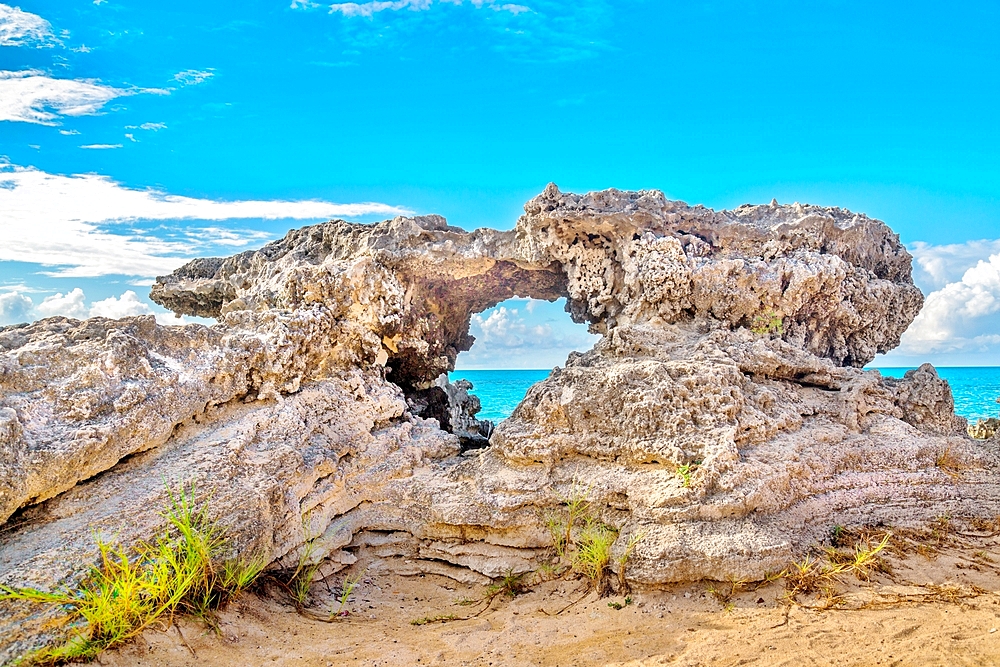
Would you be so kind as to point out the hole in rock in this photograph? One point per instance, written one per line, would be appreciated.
(518, 342)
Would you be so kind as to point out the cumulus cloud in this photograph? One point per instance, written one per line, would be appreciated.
(67, 305)
(192, 77)
(938, 265)
(14, 307)
(19, 28)
(369, 9)
(101, 147)
(507, 328)
(503, 328)
(962, 316)
(30, 96)
(73, 222)
(127, 305)
(524, 334)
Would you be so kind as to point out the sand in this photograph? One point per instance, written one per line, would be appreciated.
(942, 608)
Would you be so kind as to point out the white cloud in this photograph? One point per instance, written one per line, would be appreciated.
(192, 77)
(507, 328)
(962, 316)
(70, 222)
(512, 336)
(69, 133)
(512, 8)
(14, 307)
(937, 265)
(101, 147)
(369, 9)
(226, 237)
(19, 28)
(155, 127)
(29, 96)
(131, 137)
(127, 305)
(67, 305)
(503, 328)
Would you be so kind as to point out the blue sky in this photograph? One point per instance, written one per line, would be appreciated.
(137, 135)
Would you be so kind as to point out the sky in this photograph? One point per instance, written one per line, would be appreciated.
(135, 136)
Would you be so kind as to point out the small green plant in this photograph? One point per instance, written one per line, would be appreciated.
(577, 507)
(865, 560)
(298, 582)
(301, 578)
(557, 531)
(350, 583)
(510, 585)
(128, 590)
(621, 605)
(768, 321)
(686, 472)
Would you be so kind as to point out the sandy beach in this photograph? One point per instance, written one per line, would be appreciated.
(942, 608)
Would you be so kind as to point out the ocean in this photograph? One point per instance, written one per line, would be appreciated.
(976, 389)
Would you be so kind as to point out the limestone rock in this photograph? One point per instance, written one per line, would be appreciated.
(312, 412)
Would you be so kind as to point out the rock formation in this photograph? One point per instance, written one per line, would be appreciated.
(985, 429)
(732, 344)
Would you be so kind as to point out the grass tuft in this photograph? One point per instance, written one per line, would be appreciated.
(949, 463)
(129, 589)
(593, 554)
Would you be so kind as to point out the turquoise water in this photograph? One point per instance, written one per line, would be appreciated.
(500, 391)
(975, 389)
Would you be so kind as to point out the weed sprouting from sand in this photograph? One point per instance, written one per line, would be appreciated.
(593, 554)
(577, 505)
(633, 542)
(582, 544)
(298, 582)
(618, 606)
(557, 532)
(510, 585)
(441, 618)
(129, 589)
(350, 583)
(301, 578)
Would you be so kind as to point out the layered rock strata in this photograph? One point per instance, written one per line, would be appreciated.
(732, 346)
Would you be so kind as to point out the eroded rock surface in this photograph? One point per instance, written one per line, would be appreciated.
(312, 412)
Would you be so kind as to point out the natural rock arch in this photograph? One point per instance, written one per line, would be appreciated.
(283, 411)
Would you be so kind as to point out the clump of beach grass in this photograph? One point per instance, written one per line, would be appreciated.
(583, 543)
(129, 589)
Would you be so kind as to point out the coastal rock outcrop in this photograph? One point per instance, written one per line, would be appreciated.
(313, 411)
